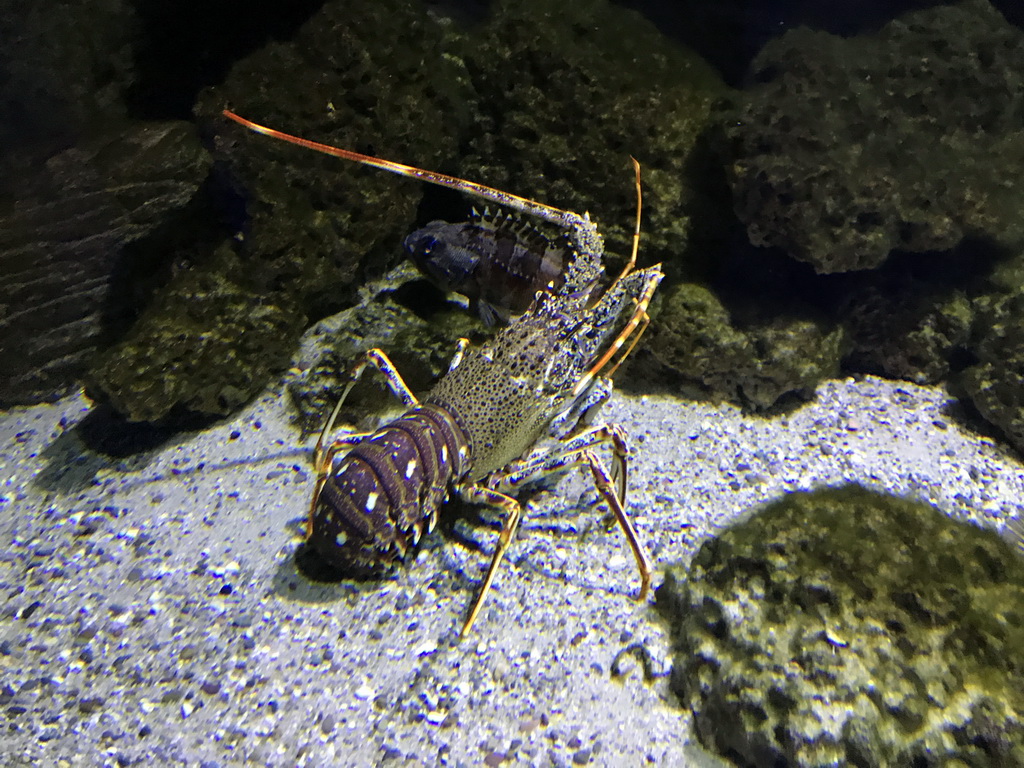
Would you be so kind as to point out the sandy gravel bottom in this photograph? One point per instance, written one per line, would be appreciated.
(152, 613)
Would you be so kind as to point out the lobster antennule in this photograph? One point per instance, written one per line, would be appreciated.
(636, 231)
(507, 199)
(639, 320)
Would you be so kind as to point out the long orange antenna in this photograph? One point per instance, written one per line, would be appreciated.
(547, 212)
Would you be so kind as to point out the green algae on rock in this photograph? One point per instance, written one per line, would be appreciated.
(909, 139)
(700, 349)
(421, 349)
(206, 345)
(907, 332)
(566, 92)
(996, 383)
(847, 627)
(313, 227)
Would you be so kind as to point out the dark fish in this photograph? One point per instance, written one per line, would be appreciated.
(497, 261)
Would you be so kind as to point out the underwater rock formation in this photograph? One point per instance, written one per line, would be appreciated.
(566, 92)
(905, 326)
(846, 627)
(312, 227)
(208, 346)
(700, 349)
(996, 383)
(542, 101)
(846, 149)
(388, 316)
(88, 194)
(91, 216)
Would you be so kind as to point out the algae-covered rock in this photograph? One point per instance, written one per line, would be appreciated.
(845, 149)
(907, 331)
(700, 349)
(996, 383)
(312, 227)
(846, 627)
(205, 345)
(372, 77)
(566, 93)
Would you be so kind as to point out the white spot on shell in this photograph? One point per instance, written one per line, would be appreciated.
(410, 468)
(371, 500)
(444, 453)
(341, 539)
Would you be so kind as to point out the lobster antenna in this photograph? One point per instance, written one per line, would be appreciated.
(546, 212)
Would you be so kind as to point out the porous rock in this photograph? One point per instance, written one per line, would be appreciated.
(567, 92)
(310, 227)
(846, 149)
(698, 347)
(995, 384)
(205, 345)
(846, 627)
(907, 329)
(388, 316)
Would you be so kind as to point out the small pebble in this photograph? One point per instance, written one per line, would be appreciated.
(529, 725)
(581, 757)
(90, 705)
(436, 718)
(327, 725)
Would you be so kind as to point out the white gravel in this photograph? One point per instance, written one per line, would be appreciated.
(152, 613)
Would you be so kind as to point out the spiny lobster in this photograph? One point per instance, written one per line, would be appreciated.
(546, 373)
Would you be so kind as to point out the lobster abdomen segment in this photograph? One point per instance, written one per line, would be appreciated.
(379, 497)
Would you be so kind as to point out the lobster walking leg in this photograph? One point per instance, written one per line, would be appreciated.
(578, 452)
(604, 487)
(479, 494)
(460, 350)
(541, 463)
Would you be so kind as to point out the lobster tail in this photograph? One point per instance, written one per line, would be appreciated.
(383, 494)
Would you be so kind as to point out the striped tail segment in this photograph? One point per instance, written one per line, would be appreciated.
(384, 493)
